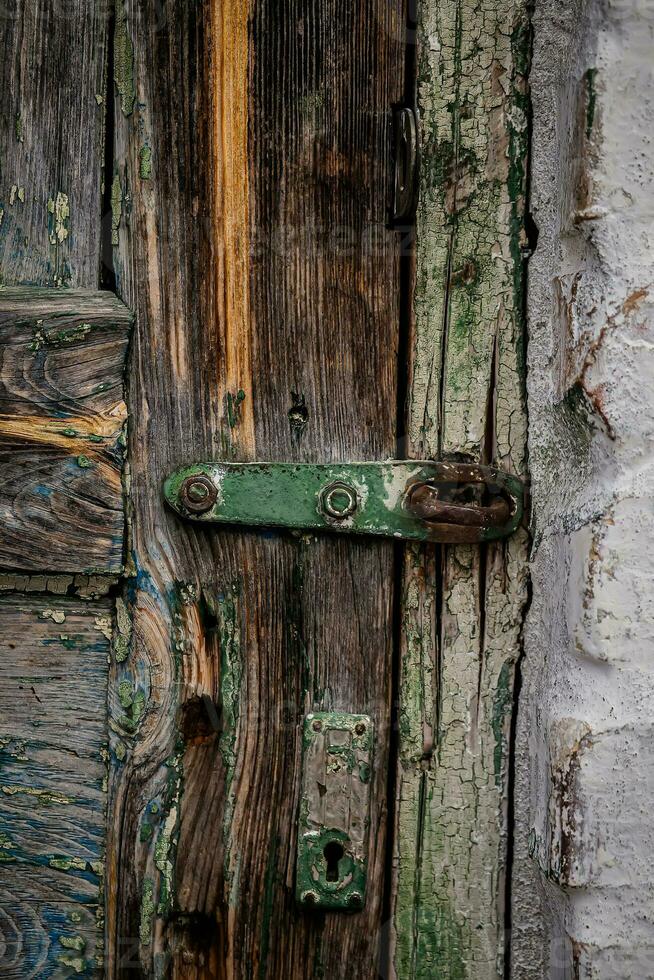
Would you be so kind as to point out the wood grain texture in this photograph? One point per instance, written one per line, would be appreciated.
(53, 666)
(52, 116)
(232, 637)
(62, 419)
(463, 606)
(62, 414)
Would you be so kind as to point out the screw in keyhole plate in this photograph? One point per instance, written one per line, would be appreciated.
(339, 500)
(198, 493)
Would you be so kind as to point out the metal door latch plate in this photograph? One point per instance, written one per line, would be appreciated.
(332, 837)
(405, 499)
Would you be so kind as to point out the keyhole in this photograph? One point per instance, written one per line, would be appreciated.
(333, 853)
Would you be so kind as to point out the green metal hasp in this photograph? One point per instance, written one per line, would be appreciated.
(331, 867)
(405, 499)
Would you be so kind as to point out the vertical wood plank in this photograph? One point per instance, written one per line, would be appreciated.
(52, 121)
(53, 660)
(462, 606)
(231, 638)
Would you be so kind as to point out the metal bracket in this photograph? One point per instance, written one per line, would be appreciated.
(405, 499)
(334, 811)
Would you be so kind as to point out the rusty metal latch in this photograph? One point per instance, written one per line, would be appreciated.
(405, 499)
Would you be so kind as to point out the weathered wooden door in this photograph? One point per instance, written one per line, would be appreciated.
(228, 192)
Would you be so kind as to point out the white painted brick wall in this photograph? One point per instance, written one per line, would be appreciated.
(583, 890)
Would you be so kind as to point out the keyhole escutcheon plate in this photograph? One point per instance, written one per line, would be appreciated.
(331, 866)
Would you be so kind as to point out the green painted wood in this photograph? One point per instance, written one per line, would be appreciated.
(53, 767)
(462, 606)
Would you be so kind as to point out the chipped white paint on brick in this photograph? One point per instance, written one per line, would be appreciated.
(583, 893)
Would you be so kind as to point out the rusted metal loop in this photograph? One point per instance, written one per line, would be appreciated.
(425, 502)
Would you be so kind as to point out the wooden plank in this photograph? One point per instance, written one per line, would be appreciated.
(61, 418)
(53, 731)
(62, 421)
(236, 636)
(52, 115)
(462, 606)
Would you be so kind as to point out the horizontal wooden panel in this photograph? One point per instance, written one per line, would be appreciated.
(53, 734)
(62, 416)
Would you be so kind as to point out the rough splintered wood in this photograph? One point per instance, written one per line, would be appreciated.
(52, 784)
(51, 132)
(462, 607)
(233, 637)
(62, 418)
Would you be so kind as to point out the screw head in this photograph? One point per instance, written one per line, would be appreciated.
(309, 898)
(339, 500)
(198, 493)
(317, 726)
(355, 900)
(360, 729)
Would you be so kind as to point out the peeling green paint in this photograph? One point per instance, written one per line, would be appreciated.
(165, 845)
(42, 796)
(226, 608)
(122, 638)
(68, 863)
(467, 381)
(133, 702)
(234, 403)
(75, 963)
(123, 60)
(56, 615)
(116, 208)
(231, 672)
(59, 218)
(145, 163)
(73, 942)
(147, 912)
(84, 462)
(57, 338)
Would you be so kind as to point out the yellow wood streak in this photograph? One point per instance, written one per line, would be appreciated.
(229, 100)
(73, 434)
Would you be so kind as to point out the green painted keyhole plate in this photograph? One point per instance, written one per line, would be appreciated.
(332, 860)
